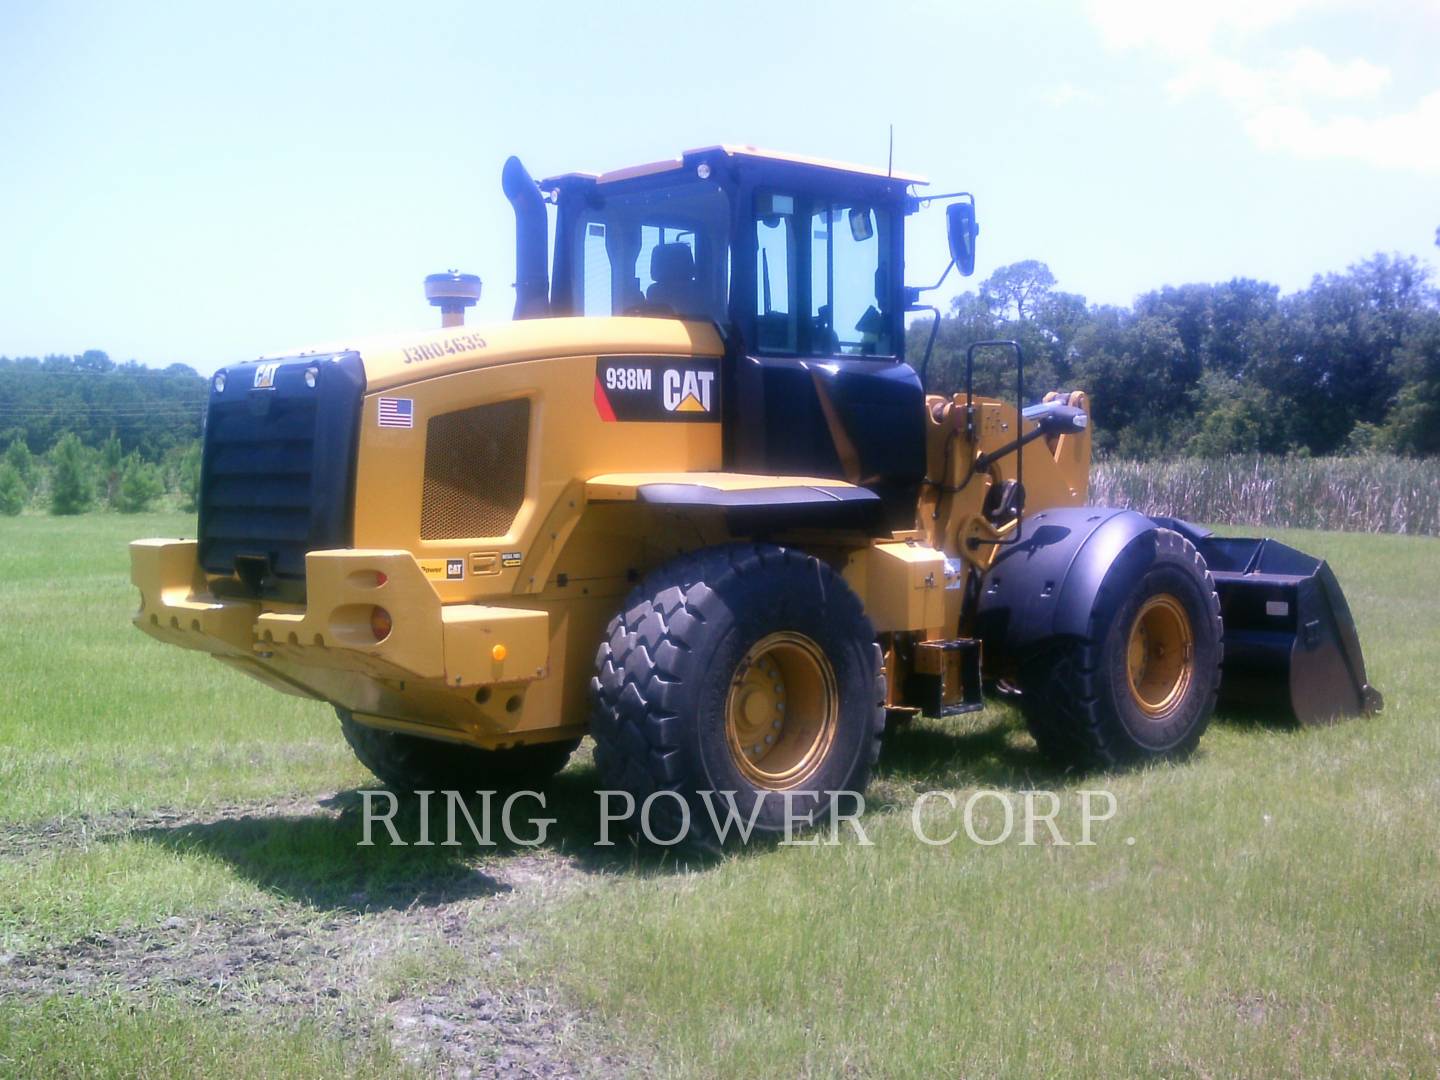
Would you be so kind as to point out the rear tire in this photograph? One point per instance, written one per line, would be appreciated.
(1141, 684)
(695, 675)
(412, 763)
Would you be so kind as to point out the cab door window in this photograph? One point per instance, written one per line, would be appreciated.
(822, 273)
(848, 272)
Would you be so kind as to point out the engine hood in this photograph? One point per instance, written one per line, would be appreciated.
(404, 358)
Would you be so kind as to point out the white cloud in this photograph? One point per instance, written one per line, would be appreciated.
(1067, 93)
(1279, 98)
(1309, 71)
(1184, 27)
(1301, 74)
(1404, 140)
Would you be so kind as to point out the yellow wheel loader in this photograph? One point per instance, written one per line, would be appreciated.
(693, 501)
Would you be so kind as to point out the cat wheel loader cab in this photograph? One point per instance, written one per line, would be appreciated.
(693, 501)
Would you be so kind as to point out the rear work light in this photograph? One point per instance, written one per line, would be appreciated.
(380, 623)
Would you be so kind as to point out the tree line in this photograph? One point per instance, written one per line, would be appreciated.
(81, 432)
(72, 478)
(1349, 364)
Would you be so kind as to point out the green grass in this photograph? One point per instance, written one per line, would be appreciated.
(1278, 912)
(110, 1037)
(63, 896)
(97, 717)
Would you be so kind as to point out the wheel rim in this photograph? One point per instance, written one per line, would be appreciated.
(781, 711)
(1161, 655)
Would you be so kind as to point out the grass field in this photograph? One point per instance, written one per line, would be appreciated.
(180, 891)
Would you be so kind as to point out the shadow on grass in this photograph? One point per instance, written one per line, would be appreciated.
(320, 858)
(1250, 718)
(992, 752)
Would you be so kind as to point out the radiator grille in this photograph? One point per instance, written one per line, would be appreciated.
(475, 471)
(276, 477)
(257, 486)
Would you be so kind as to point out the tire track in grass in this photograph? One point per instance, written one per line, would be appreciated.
(439, 981)
(422, 952)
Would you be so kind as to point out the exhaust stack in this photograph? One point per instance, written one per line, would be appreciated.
(452, 292)
(532, 232)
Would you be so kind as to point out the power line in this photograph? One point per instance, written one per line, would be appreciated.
(101, 411)
(27, 372)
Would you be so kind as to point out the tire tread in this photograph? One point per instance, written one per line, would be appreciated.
(641, 660)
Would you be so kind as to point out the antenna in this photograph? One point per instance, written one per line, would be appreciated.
(890, 161)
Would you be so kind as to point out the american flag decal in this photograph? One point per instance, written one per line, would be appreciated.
(397, 412)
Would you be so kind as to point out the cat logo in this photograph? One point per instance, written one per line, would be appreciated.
(265, 375)
(687, 391)
(660, 389)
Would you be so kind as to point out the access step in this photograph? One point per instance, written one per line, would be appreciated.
(945, 680)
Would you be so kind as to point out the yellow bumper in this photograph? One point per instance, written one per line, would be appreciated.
(434, 669)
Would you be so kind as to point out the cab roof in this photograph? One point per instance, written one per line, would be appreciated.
(753, 153)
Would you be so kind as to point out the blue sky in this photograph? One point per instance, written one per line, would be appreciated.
(202, 182)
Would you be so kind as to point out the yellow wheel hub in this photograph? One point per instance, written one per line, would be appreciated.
(1161, 655)
(782, 710)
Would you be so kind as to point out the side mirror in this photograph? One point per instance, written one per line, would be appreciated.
(962, 227)
(862, 227)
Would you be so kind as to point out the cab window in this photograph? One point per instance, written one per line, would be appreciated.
(777, 328)
(848, 263)
(655, 251)
(822, 277)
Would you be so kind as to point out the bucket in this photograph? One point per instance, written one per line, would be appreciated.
(1290, 641)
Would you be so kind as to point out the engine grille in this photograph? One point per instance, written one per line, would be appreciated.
(475, 470)
(277, 476)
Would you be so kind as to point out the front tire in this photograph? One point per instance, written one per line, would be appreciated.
(411, 763)
(1141, 684)
(748, 669)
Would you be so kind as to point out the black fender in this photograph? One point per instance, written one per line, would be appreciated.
(1046, 583)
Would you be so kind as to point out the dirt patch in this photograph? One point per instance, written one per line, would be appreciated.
(429, 966)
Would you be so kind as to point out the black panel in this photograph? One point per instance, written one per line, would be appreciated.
(278, 472)
(815, 417)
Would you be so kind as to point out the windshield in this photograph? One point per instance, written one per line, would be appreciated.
(653, 251)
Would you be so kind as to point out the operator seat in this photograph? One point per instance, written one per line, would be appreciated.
(672, 266)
